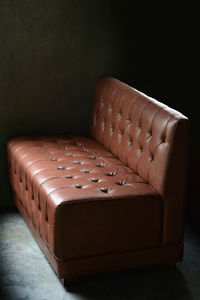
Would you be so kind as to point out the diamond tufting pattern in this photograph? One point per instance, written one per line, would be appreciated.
(138, 129)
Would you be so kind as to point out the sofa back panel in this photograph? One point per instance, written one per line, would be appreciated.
(138, 129)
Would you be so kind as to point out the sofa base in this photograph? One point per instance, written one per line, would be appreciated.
(69, 270)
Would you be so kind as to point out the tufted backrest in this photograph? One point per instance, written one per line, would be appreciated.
(145, 134)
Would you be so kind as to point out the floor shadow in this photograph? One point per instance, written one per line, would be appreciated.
(139, 284)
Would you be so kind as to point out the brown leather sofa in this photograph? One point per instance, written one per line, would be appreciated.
(114, 199)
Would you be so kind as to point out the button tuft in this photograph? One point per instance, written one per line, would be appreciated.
(94, 179)
(122, 182)
(79, 186)
(105, 190)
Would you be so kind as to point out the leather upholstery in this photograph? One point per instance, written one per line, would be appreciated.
(150, 138)
(119, 191)
(69, 179)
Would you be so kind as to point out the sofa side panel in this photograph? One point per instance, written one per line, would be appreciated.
(92, 228)
(168, 176)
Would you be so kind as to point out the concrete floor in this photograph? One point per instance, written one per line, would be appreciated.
(25, 274)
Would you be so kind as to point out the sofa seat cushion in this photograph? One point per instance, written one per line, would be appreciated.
(81, 199)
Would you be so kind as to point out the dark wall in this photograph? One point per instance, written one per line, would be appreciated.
(53, 51)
